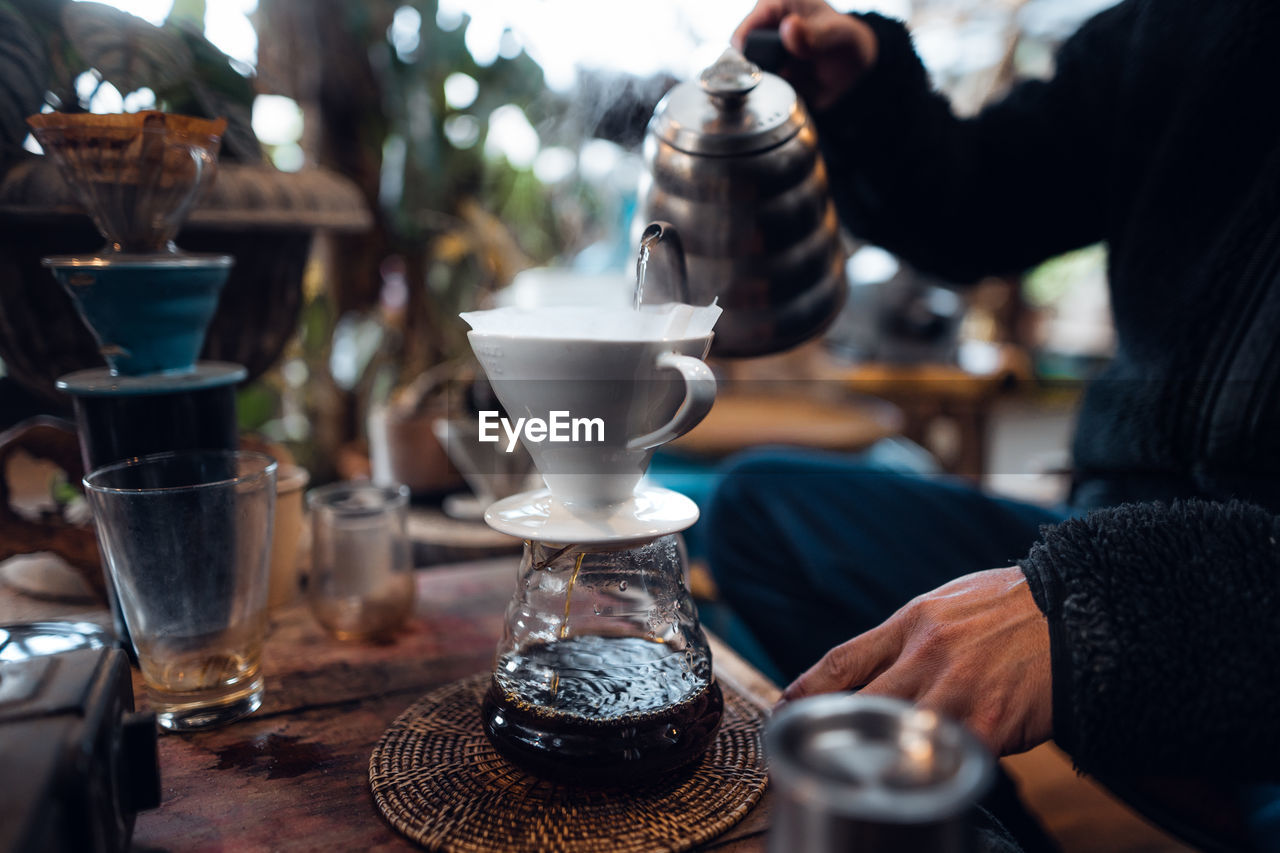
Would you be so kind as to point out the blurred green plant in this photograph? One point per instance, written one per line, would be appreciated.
(455, 219)
(1048, 283)
(476, 219)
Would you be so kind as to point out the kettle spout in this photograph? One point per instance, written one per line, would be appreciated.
(672, 285)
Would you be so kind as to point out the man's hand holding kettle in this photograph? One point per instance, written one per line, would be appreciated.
(835, 50)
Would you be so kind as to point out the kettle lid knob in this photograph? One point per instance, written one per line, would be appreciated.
(730, 79)
(734, 108)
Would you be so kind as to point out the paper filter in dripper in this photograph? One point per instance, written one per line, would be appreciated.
(667, 322)
(136, 174)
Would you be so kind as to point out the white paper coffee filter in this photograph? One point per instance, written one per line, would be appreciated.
(669, 321)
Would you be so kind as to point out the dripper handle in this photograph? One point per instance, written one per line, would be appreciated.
(700, 394)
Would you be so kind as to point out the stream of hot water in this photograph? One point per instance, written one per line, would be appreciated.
(647, 242)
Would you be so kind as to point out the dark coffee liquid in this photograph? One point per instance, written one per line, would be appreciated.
(601, 710)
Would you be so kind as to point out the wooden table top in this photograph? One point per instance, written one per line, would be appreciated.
(294, 775)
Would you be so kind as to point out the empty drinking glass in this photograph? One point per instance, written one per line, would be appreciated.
(361, 585)
(185, 537)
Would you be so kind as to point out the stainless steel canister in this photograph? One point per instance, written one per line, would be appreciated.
(732, 162)
(871, 774)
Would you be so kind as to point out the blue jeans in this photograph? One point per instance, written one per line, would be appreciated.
(812, 548)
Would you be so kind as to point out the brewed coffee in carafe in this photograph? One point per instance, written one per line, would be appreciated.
(603, 675)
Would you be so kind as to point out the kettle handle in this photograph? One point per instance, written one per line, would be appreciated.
(765, 49)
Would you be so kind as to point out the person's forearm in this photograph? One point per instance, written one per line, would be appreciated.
(995, 193)
(1165, 637)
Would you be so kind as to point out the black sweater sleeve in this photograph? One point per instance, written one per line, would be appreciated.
(1164, 624)
(1023, 180)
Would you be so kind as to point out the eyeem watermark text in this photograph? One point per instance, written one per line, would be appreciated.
(559, 426)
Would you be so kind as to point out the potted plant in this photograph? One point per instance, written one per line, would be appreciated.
(451, 223)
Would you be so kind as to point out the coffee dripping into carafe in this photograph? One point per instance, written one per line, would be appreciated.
(603, 675)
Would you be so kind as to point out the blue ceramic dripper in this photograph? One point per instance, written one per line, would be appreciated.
(149, 314)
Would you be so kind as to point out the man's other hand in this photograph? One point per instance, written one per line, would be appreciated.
(976, 650)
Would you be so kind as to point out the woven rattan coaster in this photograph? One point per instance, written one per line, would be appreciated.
(437, 780)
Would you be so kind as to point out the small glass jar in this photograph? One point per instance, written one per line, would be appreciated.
(603, 675)
(361, 585)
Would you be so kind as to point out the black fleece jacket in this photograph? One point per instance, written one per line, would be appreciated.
(1164, 625)
(1157, 135)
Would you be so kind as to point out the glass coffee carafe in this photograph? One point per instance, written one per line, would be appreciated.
(603, 675)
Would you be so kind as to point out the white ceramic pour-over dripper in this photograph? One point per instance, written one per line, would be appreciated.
(620, 384)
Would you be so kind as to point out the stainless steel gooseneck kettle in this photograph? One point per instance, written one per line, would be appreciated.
(732, 162)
